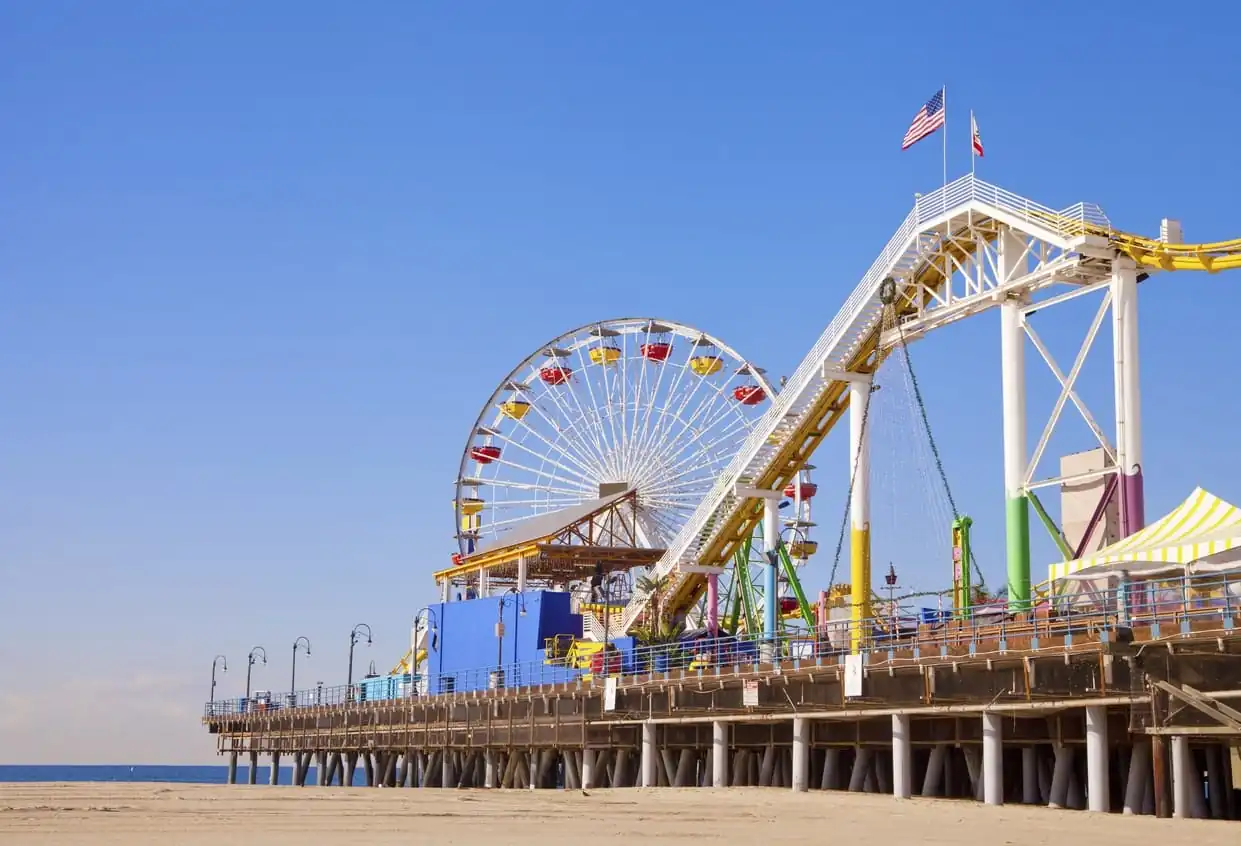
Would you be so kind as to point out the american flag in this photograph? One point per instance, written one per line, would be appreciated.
(928, 119)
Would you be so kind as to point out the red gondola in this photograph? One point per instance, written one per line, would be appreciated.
(657, 351)
(456, 559)
(485, 454)
(749, 394)
(555, 375)
(808, 490)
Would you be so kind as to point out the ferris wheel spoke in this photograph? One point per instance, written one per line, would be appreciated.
(545, 461)
(675, 442)
(659, 439)
(678, 413)
(530, 486)
(662, 368)
(666, 527)
(562, 405)
(722, 406)
(554, 425)
(599, 436)
(712, 449)
(543, 503)
(595, 436)
(682, 368)
(610, 392)
(513, 521)
(526, 448)
(505, 462)
(638, 392)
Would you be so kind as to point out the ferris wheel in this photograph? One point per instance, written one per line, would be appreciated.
(633, 404)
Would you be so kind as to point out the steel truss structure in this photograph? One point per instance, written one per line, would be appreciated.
(966, 248)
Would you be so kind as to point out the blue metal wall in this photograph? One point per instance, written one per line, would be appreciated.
(464, 651)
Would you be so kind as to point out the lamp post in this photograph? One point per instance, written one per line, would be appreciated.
(304, 643)
(255, 653)
(223, 664)
(519, 601)
(890, 581)
(353, 641)
(433, 626)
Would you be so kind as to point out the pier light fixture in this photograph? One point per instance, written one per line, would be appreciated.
(433, 629)
(256, 653)
(301, 643)
(514, 596)
(354, 637)
(221, 662)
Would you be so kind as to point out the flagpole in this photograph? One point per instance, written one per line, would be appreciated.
(972, 155)
(945, 106)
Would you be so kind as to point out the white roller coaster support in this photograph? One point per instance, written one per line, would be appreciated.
(1013, 386)
(964, 202)
(859, 513)
(1128, 395)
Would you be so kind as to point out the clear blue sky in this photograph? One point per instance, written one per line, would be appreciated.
(261, 267)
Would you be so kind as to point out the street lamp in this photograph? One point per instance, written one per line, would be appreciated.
(890, 581)
(433, 624)
(305, 644)
(520, 602)
(260, 652)
(353, 640)
(223, 663)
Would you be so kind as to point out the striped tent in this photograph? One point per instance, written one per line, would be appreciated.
(1202, 526)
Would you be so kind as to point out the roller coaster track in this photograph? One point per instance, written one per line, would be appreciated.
(926, 249)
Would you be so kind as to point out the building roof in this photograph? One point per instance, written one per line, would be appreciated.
(545, 525)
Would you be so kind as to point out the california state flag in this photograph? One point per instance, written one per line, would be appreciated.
(975, 138)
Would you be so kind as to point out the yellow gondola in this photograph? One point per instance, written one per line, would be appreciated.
(706, 365)
(604, 355)
(471, 505)
(515, 409)
(803, 549)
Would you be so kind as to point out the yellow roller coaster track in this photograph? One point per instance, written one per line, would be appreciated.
(1149, 252)
(831, 406)
(1220, 255)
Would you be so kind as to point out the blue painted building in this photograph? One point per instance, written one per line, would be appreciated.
(464, 651)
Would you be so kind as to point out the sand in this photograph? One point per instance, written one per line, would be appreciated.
(139, 814)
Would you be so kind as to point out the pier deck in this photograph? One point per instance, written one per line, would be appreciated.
(997, 715)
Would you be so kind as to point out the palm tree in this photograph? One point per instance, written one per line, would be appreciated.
(654, 586)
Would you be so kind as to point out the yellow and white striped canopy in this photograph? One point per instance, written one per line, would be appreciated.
(1201, 526)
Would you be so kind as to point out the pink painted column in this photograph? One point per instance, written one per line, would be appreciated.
(1131, 490)
(713, 604)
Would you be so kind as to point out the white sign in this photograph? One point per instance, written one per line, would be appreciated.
(853, 675)
(749, 696)
(609, 693)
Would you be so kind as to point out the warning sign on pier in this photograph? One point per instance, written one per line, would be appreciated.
(609, 693)
(749, 696)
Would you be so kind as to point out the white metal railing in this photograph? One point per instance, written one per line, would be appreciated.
(806, 382)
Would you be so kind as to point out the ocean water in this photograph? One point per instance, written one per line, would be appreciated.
(141, 773)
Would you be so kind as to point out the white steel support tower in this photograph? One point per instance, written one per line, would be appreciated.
(964, 249)
(859, 513)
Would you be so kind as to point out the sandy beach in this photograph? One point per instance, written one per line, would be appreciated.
(138, 814)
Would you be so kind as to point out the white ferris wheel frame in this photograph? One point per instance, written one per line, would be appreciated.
(571, 471)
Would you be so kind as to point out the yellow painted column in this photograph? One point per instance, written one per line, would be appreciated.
(859, 516)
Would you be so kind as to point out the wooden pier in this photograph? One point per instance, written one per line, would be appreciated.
(1134, 719)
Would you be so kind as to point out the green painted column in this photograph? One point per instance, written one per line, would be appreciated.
(1017, 529)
